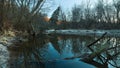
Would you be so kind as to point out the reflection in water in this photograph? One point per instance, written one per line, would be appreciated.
(109, 55)
(4, 56)
(26, 52)
(50, 53)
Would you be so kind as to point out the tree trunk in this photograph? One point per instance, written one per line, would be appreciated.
(117, 16)
(1, 14)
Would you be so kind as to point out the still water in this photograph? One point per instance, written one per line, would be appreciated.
(56, 52)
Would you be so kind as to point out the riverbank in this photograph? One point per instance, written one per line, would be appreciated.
(4, 56)
(111, 33)
(11, 38)
(6, 40)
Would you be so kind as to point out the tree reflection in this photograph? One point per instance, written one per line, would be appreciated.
(27, 54)
(34, 53)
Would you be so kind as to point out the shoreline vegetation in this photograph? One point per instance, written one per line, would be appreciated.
(11, 37)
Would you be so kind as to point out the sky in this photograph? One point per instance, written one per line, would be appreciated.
(70, 3)
(67, 5)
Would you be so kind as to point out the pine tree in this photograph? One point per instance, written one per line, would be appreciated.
(54, 18)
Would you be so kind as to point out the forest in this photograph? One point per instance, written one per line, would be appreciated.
(26, 16)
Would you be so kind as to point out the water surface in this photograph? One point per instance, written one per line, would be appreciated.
(52, 51)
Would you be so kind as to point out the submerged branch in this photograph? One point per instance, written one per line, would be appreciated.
(97, 40)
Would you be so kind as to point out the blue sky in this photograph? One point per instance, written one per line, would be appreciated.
(66, 5)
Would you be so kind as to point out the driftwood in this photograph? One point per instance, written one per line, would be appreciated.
(90, 58)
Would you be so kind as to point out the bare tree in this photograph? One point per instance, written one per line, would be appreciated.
(20, 13)
(108, 10)
(100, 10)
(28, 9)
(87, 10)
(76, 13)
(117, 7)
(62, 16)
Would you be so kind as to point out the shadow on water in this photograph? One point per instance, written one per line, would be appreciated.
(64, 52)
(22, 55)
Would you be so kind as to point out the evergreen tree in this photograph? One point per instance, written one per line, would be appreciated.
(54, 18)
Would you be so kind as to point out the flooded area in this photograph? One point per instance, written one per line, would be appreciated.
(64, 52)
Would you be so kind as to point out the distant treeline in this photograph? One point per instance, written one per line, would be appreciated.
(90, 25)
(26, 15)
(103, 16)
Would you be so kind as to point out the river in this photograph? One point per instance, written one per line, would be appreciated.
(56, 52)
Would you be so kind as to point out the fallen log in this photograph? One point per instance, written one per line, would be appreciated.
(97, 40)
